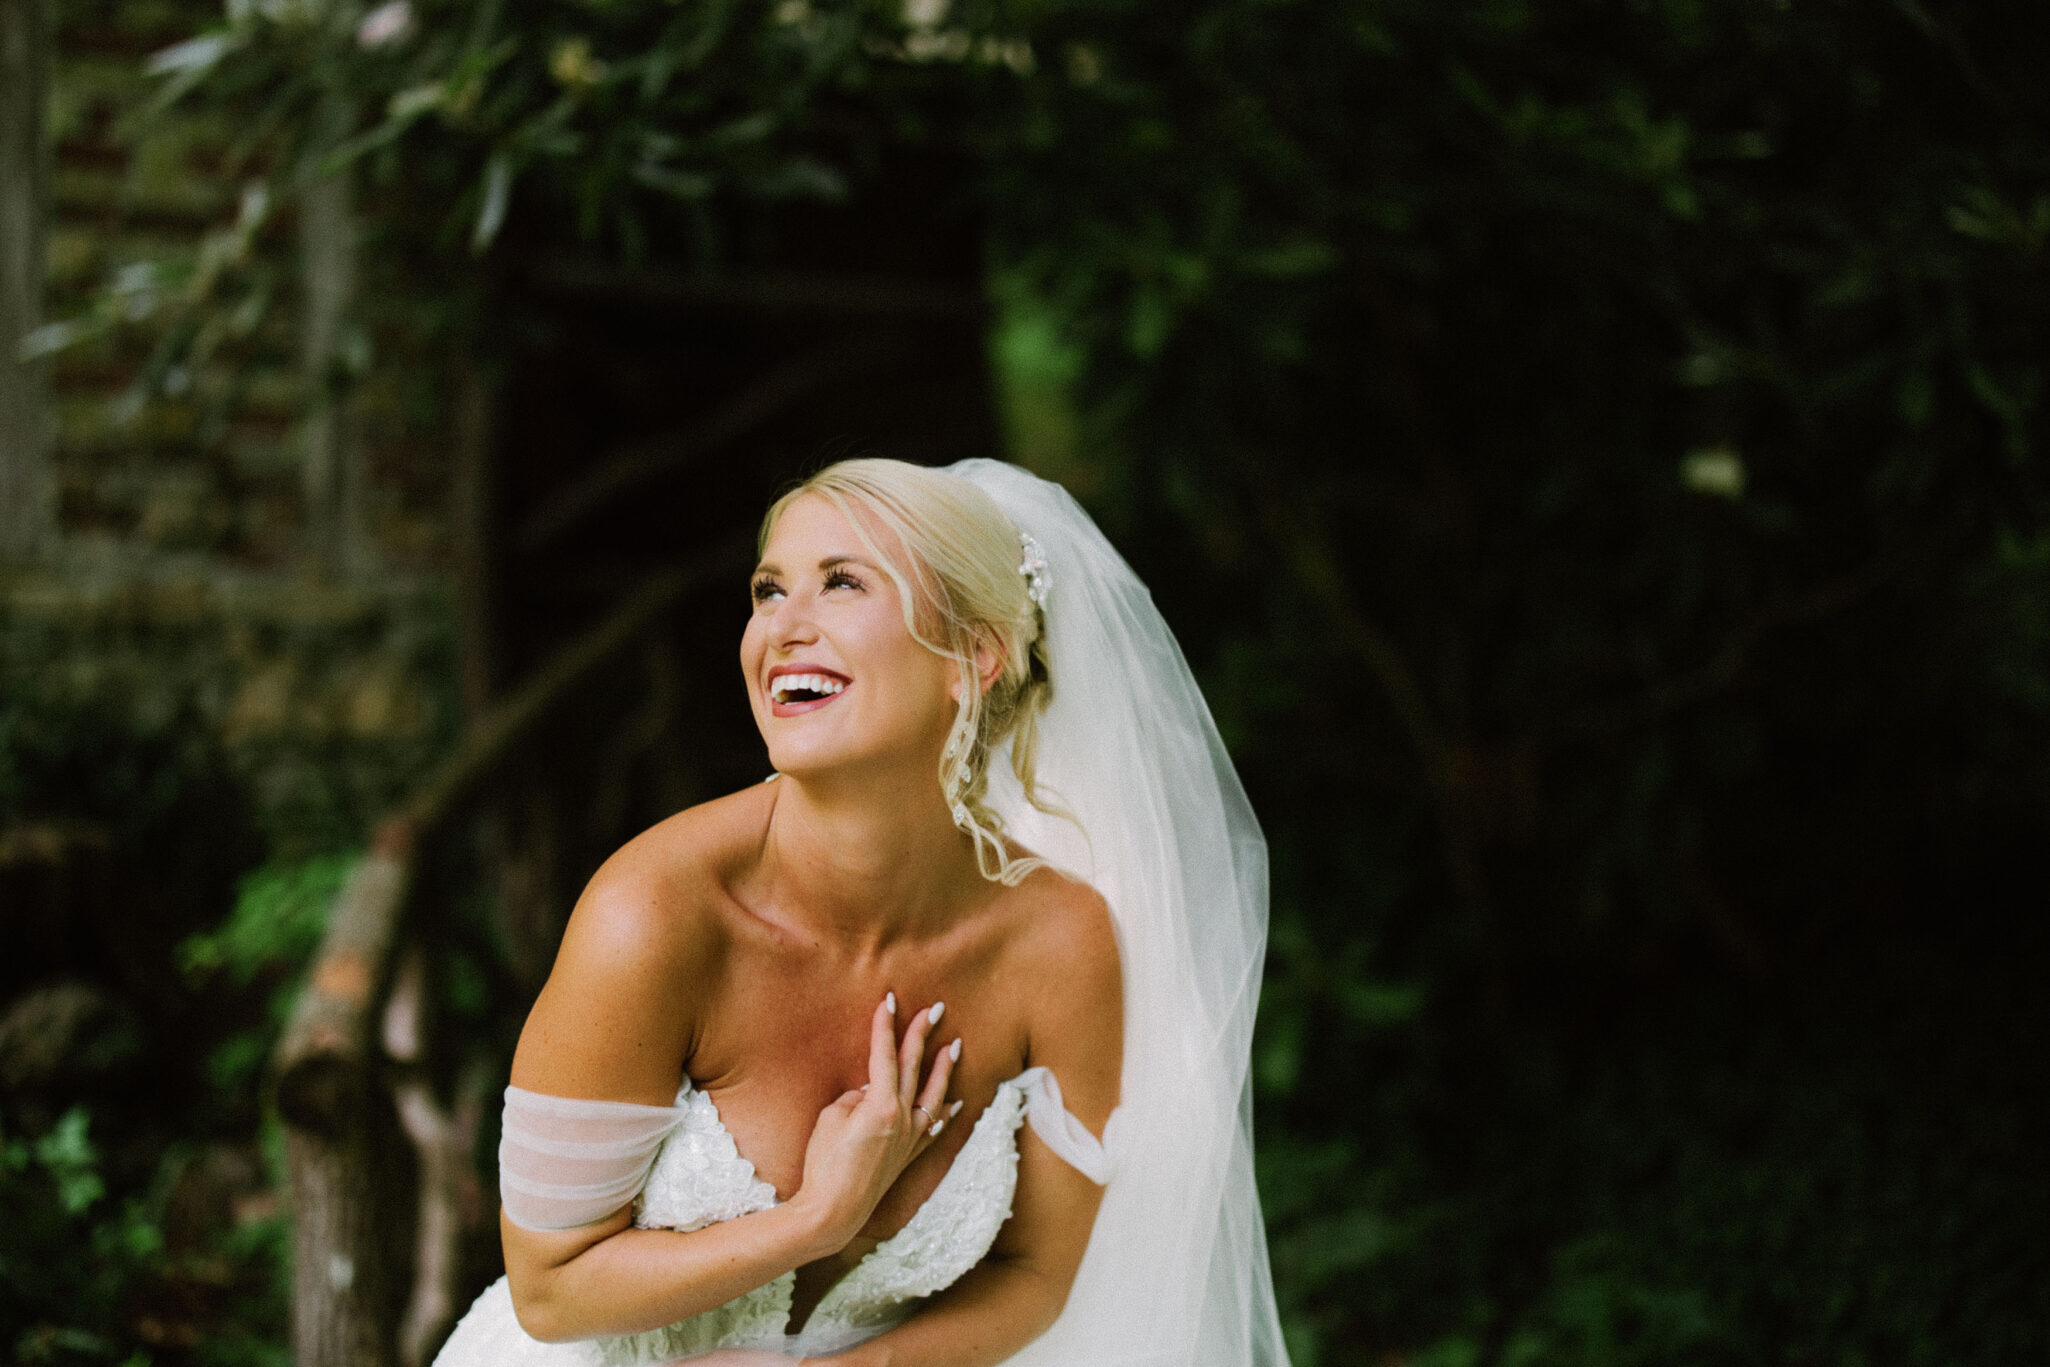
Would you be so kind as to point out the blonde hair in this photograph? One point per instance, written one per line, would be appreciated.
(955, 559)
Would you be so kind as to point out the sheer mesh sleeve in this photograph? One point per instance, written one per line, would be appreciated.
(1068, 1137)
(563, 1163)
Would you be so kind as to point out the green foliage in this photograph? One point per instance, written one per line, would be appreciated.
(1595, 454)
(107, 1127)
(602, 103)
(1036, 369)
(625, 125)
(280, 912)
(61, 1256)
(67, 1155)
(74, 1262)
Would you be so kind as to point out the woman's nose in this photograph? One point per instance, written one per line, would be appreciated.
(791, 623)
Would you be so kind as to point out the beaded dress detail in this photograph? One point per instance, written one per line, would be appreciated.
(699, 1178)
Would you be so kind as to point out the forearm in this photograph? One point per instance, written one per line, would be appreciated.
(639, 1279)
(979, 1321)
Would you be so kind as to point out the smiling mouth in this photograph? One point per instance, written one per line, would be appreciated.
(802, 688)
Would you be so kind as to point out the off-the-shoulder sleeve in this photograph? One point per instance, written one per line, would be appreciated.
(1068, 1137)
(563, 1163)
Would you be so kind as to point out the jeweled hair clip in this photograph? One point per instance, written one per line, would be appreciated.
(1038, 575)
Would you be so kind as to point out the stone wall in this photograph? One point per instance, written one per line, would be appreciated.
(185, 581)
(329, 698)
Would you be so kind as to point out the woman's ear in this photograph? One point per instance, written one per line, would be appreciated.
(989, 662)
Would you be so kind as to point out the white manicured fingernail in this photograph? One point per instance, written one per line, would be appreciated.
(937, 1126)
(890, 1002)
(954, 1051)
(932, 1017)
(953, 1110)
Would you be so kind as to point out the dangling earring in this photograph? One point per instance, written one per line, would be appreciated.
(955, 744)
(954, 737)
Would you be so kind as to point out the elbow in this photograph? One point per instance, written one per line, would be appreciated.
(549, 1297)
(540, 1315)
(1050, 1288)
(1052, 1304)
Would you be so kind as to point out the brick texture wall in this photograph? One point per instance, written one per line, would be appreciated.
(184, 578)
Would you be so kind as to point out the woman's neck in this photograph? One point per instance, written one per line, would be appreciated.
(866, 862)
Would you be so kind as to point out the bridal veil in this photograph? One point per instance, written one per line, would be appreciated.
(1176, 1273)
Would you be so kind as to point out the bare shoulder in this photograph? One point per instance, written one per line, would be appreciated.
(1065, 963)
(659, 901)
(617, 1015)
(1066, 933)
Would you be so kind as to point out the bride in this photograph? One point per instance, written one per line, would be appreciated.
(933, 1048)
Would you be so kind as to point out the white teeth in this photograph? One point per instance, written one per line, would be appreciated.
(809, 683)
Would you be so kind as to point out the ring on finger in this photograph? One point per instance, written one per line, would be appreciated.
(925, 1123)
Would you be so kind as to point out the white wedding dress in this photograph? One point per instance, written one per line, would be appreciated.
(699, 1178)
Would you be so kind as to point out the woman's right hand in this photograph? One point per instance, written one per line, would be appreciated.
(864, 1140)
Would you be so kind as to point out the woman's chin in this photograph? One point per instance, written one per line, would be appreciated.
(824, 762)
(808, 763)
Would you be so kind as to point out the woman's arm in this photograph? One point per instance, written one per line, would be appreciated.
(1075, 999)
(610, 1025)
(611, 1278)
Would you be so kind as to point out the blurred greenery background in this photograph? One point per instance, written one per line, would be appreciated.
(1593, 453)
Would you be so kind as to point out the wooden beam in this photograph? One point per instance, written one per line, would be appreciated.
(442, 1139)
(28, 504)
(344, 1273)
(335, 477)
(324, 1054)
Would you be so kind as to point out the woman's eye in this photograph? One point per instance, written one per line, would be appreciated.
(765, 589)
(840, 579)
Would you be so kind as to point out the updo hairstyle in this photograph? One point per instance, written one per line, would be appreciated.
(954, 557)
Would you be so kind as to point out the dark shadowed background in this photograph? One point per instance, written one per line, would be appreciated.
(1593, 454)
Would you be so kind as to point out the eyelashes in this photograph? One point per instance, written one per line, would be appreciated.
(765, 588)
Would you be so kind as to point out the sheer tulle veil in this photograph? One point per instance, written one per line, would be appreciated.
(1176, 1274)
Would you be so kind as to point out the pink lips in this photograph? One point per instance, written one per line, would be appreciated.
(796, 709)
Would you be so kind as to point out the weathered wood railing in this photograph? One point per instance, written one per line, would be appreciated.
(375, 1283)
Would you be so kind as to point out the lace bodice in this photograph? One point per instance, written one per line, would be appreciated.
(699, 1178)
